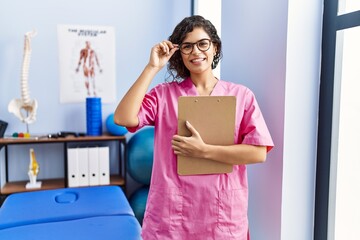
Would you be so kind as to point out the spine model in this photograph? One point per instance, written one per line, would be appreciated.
(25, 103)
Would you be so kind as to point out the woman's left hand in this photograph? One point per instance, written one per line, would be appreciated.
(192, 146)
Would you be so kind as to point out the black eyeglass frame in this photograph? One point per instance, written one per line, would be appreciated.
(193, 44)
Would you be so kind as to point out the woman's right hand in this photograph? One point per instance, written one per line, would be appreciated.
(161, 53)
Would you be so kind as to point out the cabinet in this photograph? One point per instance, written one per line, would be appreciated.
(19, 186)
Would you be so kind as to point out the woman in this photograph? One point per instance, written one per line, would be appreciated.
(212, 206)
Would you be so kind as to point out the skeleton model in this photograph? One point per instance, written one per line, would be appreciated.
(33, 171)
(25, 104)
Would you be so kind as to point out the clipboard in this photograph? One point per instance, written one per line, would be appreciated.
(214, 118)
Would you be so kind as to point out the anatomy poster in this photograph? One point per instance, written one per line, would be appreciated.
(86, 63)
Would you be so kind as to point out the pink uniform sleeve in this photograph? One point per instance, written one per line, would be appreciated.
(253, 129)
(147, 111)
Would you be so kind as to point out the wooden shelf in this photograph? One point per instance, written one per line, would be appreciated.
(19, 186)
(14, 187)
(117, 180)
(45, 139)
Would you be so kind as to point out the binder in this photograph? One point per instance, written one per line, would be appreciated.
(104, 166)
(73, 167)
(214, 118)
(83, 156)
(93, 166)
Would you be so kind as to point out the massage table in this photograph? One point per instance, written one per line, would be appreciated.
(86, 213)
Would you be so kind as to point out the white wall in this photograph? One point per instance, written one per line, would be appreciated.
(273, 47)
(211, 10)
(301, 109)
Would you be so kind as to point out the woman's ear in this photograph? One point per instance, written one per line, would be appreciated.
(215, 49)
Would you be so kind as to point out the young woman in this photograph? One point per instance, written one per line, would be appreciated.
(211, 206)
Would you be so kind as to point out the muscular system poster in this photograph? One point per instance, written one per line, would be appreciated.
(86, 63)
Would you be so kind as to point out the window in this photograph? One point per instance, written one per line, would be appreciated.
(337, 210)
(347, 6)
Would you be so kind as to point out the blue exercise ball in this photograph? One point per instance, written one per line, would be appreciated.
(138, 202)
(140, 155)
(113, 128)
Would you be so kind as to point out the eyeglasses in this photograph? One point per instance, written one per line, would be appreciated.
(203, 45)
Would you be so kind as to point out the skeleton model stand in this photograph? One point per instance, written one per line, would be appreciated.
(33, 171)
(19, 106)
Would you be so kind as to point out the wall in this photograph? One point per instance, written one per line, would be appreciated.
(301, 110)
(138, 25)
(137, 30)
(273, 47)
(255, 55)
(211, 10)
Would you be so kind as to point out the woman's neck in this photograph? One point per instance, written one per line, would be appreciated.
(204, 84)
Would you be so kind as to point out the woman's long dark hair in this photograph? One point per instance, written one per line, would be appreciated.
(176, 67)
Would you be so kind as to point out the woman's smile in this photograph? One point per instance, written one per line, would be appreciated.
(197, 60)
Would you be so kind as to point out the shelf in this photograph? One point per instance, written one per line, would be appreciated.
(44, 139)
(19, 186)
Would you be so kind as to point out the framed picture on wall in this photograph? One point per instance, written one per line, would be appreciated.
(86, 63)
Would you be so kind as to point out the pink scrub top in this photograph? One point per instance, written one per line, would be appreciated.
(212, 206)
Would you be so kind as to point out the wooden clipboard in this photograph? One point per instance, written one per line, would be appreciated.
(214, 118)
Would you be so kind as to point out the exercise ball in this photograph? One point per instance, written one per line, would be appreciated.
(113, 128)
(140, 155)
(138, 202)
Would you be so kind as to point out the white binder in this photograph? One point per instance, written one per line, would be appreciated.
(104, 166)
(83, 158)
(93, 166)
(73, 167)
